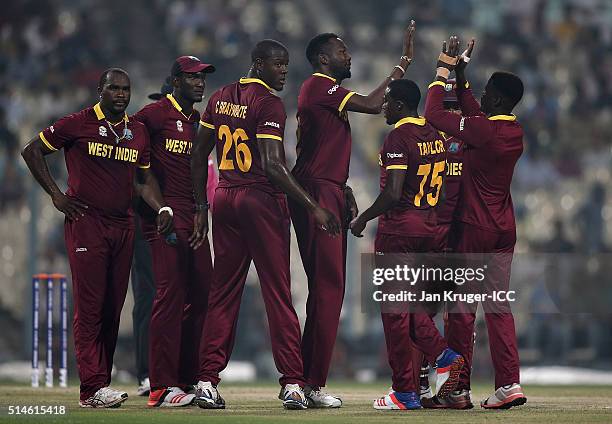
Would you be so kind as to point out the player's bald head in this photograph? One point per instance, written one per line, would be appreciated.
(266, 49)
(508, 86)
(406, 91)
(110, 71)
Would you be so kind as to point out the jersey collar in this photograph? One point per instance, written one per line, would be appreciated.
(420, 121)
(100, 115)
(177, 106)
(319, 74)
(502, 118)
(255, 80)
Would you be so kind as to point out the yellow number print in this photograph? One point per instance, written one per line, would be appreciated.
(436, 182)
(243, 153)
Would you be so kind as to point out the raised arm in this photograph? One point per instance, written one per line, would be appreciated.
(372, 103)
(473, 130)
(467, 102)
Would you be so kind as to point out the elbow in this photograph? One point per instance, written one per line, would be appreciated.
(27, 153)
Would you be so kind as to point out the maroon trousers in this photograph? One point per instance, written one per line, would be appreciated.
(404, 331)
(249, 224)
(465, 238)
(182, 280)
(324, 260)
(100, 258)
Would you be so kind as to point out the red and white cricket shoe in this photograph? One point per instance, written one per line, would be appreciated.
(505, 397)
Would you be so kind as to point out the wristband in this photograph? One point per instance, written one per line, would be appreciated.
(465, 58)
(400, 68)
(407, 59)
(448, 60)
(202, 206)
(442, 72)
(166, 209)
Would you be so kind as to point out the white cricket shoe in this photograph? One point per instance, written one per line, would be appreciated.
(293, 397)
(207, 396)
(170, 397)
(105, 398)
(319, 398)
(505, 397)
(144, 387)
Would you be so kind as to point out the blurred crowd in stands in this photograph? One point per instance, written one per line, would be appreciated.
(53, 51)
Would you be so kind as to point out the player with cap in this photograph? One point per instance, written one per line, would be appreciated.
(143, 288)
(104, 149)
(182, 271)
(484, 217)
(246, 123)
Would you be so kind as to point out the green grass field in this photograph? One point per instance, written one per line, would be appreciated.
(257, 403)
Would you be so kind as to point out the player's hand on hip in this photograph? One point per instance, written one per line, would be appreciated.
(165, 223)
(357, 226)
(200, 229)
(327, 221)
(71, 207)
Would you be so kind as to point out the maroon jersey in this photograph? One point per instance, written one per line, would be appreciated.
(324, 132)
(240, 113)
(493, 146)
(417, 147)
(452, 179)
(100, 170)
(171, 133)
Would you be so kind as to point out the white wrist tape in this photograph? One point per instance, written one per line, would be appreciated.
(166, 209)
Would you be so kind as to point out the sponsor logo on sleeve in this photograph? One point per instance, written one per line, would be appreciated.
(272, 124)
(462, 123)
(52, 129)
(395, 155)
(80, 249)
(333, 89)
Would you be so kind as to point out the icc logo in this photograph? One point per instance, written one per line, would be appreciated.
(179, 126)
(102, 131)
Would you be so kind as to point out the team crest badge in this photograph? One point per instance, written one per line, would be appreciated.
(127, 134)
(102, 131)
(179, 126)
(453, 147)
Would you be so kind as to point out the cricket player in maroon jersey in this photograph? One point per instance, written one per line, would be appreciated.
(484, 214)
(246, 122)
(412, 162)
(323, 156)
(458, 399)
(182, 273)
(103, 149)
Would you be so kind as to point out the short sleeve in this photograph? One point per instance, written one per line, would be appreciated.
(62, 132)
(395, 153)
(150, 117)
(207, 117)
(145, 158)
(271, 119)
(334, 96)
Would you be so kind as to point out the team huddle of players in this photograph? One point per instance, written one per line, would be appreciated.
(161, 154)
